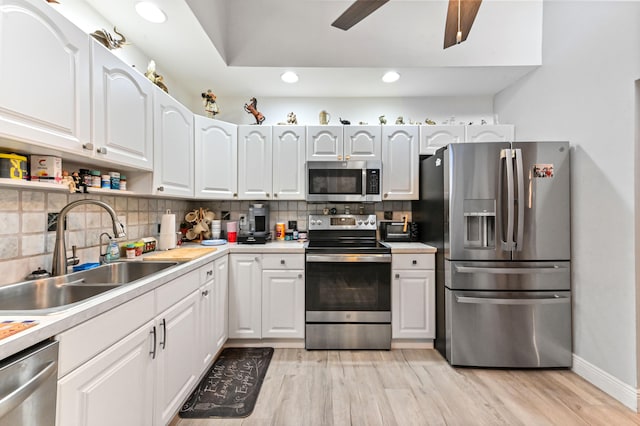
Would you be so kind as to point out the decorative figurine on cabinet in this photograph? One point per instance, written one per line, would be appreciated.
(210, 105)
(291, 118)
(252, 108)
(109, 41)
(155, 77)
(382, 119)
(400, 120)
(344, 122)
(430, 122)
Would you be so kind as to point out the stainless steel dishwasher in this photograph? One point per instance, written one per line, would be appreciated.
(28, 385)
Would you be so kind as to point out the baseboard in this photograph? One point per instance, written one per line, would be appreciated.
(611, 385)
(411, 344)
(262, 343)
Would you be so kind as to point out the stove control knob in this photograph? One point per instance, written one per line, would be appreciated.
(360, 222)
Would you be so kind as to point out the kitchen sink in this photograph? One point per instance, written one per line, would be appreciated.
(56, 294)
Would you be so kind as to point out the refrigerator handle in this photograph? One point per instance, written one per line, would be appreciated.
(521, 271)
(515, 301)
(521, 200)
(506, 157)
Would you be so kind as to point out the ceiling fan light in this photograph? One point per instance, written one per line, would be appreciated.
(390, 77)
(151, 12)
(289, 77)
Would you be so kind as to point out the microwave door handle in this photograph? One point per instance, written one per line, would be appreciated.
(506, 155)
(364, 182)
(521, 200)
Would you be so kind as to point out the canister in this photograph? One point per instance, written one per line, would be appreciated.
(95, 179)
(115, 180)
(280, 230)
(123, 183)
(106, 182)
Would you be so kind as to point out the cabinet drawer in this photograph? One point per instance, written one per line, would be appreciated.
(282, 261)
(413, 261)
(176, 290)
(206, 273)
(83, 342)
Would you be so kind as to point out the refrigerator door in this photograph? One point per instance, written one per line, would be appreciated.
(472, 181)
(512, 276)
(508, 329)
(544, 207)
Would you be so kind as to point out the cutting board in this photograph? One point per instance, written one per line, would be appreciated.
(181, 254)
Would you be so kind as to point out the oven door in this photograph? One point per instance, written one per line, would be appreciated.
(348, 287)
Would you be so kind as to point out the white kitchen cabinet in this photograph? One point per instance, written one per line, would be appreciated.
(245, 296)
(433, 138)
(362, 142)
(221, 301)
(400, 162)
(289, 155)
(340, 143)
(413, 296)
(207, 316)
(177, 366)
(283, 296)
(254, 162)
(490, 133)
(114, 388)
(216, 159)
(122, 115)
(44, 78)
(173, 173)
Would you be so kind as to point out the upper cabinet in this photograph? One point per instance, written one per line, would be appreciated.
(254, 162)
(173, 147)
(216, 159)
(340, 143)
(490, 133)
(434, 137)
(44, 77)
(122, 111)
(400, 162)
(289, 153)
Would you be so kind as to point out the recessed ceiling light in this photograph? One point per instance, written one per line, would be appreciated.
(151, 12)
(289, 77)
(390, 77)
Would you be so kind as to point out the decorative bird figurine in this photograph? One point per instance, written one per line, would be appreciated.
(53, 1)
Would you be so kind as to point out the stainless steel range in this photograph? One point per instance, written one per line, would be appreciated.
(348, 284)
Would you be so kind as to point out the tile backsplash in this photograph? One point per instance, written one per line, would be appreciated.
(26, 245)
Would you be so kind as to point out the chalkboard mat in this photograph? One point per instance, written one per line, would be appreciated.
(231, 387)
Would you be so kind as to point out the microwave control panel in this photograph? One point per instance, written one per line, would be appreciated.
(373, 181)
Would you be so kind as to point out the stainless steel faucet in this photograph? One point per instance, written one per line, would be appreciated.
(60, 261)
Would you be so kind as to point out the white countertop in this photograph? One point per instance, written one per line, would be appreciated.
(410, 248)
(53, 324)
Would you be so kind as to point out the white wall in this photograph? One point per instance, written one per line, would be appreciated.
(584, 93)
(464, 109)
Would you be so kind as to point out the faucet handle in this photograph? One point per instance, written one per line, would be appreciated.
(73, 260)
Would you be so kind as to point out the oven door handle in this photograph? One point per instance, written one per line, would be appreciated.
(344, 258)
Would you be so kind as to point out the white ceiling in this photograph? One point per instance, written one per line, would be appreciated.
(240, 47)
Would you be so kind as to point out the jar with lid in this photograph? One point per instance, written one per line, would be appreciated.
(123, 183)
(106, 182)
(95, 179)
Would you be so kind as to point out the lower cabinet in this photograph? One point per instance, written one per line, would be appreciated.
(266, 296)
(413, 296)
(137, 363)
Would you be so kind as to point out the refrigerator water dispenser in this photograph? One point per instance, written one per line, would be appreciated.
(480, 223)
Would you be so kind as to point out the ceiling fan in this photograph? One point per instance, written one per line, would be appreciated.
(460, 17)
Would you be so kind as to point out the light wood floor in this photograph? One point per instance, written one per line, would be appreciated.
(418, 387)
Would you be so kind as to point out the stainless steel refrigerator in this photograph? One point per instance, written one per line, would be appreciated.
(499, 214)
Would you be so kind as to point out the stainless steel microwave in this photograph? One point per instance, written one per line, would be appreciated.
(352, 181)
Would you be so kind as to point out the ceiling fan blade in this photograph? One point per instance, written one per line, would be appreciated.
(356, 13)
(468, 12)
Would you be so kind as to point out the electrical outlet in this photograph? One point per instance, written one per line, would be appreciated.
(52, 221)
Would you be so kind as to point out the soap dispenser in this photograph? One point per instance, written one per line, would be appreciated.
(113, 250)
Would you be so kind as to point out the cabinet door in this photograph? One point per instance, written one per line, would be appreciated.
(44, 77)
(413, 304)
(362, 142)
(221, 301)
(283, 303)
(325, 143)
(122, 111)
(254, 158)
(173, 147)
(114, 388)
(289, 154)
(433, 138)
(177, 363)
(207, 321)
(490, 133)
(216, 161)
(245, 296)
(400, 162)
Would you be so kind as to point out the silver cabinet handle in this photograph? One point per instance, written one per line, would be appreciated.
(517, 301)
(274, 195)
(397, 276)
(102, 150)
(153, 351)
(235, 195)
(88, 146)
(163, 343)
(414, 262)
(209, 273)
(257, 259)
(282, 261)
(18, 396)
(205, 293)
(161, 188)
(267, 194)
(299, 276)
